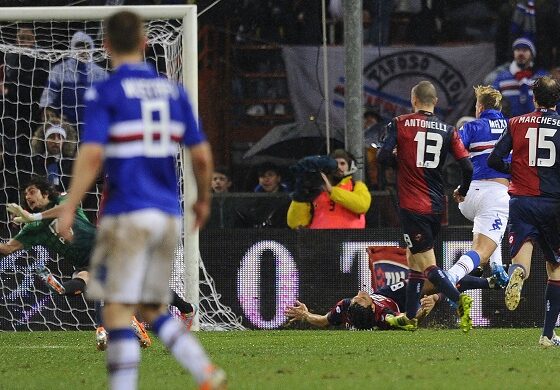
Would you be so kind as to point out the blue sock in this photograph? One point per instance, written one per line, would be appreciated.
(413, 292)
(98, 307)
(513, 267)
(467, 262)
(472, 283)
(552, 307)
(123, 358)
(475, 257)
(442, 283)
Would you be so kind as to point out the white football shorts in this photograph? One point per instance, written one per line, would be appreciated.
(487, 205)
(133, 257)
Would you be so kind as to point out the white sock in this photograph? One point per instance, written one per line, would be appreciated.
(123, 357)
(463, 267)
(184, 347)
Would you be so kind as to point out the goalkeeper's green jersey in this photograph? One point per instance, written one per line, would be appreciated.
(45, 233)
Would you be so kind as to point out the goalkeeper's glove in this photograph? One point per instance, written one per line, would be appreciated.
(21, 215)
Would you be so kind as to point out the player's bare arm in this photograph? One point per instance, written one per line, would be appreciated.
(85, 172)
(10, 247)
(299, 312)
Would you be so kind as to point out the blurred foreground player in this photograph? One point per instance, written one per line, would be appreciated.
(135, 123)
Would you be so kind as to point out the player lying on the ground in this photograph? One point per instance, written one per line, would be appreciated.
(41, 229)
(382, 309)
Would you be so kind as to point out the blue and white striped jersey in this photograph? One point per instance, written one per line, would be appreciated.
(479, 137)
(140, 118)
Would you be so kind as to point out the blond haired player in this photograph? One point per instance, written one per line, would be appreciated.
(487, 201)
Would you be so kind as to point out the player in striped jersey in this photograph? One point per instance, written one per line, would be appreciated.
(135, 125)
(418, 144)
(364, 311)
(534, 207)
(381, 309)
(487, 201)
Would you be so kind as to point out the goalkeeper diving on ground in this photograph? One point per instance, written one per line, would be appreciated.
(40, 228)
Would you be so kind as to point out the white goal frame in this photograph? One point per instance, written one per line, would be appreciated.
(189, 57)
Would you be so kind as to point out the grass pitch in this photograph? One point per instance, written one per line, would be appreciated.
(305, 359)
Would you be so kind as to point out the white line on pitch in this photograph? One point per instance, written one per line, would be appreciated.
(42, 346)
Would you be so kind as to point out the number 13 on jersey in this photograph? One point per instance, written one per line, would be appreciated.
(427, 153)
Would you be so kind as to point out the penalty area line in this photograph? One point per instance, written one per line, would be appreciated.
(42, 347)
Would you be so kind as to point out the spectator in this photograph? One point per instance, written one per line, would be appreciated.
(54, 147)
(63, 96)
(221, 215)
(341, 203)
(516, 82)
(264, 211)
(270, 179)
(303, 25)
(428, 21)
(377, 21)
(373, 133)
(548, 33)
(24, 77)
(373, 127)
(221, 180)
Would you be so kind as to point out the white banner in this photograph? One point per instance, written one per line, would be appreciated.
(389, 74)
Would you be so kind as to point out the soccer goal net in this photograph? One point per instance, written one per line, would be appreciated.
(48, 58)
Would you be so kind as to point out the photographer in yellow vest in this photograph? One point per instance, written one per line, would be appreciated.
(328, 197)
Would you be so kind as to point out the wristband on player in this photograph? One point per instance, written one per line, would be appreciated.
(36, 216)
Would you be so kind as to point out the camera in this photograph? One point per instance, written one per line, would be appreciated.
(307, 172)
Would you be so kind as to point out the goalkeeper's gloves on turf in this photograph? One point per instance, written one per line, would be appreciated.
(21, 215)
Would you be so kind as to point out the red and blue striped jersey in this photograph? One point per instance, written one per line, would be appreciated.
(422, 142)
(382, 305)
(534, 139)
(141, 119)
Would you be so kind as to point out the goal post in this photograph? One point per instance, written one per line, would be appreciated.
(179, 41)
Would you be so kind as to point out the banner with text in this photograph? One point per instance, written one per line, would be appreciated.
(388, 75)
(259, 272)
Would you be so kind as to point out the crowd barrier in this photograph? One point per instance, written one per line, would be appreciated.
(258, 272)
(248, 210)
